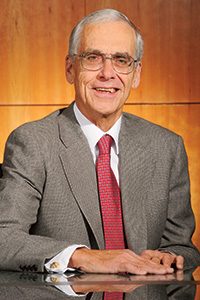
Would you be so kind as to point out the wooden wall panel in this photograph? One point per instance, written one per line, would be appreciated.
(33, 45)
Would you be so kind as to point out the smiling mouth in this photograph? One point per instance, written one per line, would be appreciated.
(106, 90)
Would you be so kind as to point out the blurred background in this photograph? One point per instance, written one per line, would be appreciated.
(33, 46)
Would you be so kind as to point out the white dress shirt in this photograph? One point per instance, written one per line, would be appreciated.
(59, 263)
(93, 135)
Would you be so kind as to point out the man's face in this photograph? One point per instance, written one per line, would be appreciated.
(102, 93)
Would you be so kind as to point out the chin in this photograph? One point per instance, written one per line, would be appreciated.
(106, 107)
(107, 112)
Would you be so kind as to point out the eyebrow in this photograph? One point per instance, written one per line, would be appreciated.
(90, 50)
(122, 54)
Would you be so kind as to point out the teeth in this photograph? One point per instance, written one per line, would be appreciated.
(110, 90)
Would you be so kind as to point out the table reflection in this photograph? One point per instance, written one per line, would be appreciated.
(22, 286)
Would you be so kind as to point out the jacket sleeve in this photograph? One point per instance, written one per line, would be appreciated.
(21, 190)
(180, 222)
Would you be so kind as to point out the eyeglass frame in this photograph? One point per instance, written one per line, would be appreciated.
(104, 57)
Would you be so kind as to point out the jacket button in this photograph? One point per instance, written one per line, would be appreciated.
(55, 265)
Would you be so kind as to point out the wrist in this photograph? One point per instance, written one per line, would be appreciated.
(77, 258)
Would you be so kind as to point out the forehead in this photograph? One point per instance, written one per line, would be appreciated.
(108, 37)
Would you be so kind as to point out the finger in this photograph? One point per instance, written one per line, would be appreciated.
(148, 267)
(151, 262)
(168, 259)
(159, 269)
(157, 264)
(135, 268)
(149, 254)
(179, 262)
(150, 257)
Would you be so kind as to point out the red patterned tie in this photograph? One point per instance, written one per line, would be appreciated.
(110, 200)
(109, 194)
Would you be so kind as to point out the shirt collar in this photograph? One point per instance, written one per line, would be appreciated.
(94, 133)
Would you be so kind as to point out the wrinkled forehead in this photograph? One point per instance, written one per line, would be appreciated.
(108, 37)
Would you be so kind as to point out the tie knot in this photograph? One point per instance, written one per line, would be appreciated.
(104, 144)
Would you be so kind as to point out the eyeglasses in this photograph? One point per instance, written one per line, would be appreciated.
(93, 61)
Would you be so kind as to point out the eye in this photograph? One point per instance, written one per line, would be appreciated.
(122, 60)
(92, 57)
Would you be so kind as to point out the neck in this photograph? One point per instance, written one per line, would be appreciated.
(103, 121)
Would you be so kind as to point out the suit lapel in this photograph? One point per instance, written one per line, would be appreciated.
(136, 167)
(80, 171)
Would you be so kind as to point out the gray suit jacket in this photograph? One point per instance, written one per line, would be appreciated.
(49, 197)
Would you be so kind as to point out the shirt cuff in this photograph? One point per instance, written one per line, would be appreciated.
(59, 263)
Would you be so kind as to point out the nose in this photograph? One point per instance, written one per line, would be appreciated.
(107, 71)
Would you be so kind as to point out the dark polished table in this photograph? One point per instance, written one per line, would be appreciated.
(21, 286)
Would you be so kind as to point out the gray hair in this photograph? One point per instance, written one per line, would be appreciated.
(101, 16)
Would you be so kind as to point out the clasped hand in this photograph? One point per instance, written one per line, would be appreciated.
(125, 261)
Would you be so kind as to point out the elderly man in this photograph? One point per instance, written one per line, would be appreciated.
(90, 187)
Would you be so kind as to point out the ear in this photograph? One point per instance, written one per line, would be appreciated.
(136, 78)
(69, 71)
